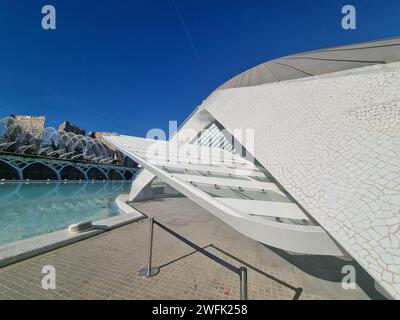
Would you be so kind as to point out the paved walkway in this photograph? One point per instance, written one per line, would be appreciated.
(106, 266)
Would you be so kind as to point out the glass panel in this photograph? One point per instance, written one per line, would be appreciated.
(221, 175)
(302, 222)
(219, 192)
(262, 179)
(204, 173)
(240, 193)
(265, 195)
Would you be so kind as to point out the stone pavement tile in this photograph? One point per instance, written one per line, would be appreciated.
(106, 266)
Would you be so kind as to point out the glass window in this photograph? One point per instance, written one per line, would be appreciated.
(302, 222)
(262, 179)
(204, 173)
(240, 193)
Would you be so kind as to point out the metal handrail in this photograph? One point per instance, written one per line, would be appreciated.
(151, 271)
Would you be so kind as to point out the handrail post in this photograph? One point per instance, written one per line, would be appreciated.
(149, 271)
(243, 283)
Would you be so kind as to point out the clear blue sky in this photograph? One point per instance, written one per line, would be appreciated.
(129, 66)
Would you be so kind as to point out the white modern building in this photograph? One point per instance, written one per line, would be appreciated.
(301, 153)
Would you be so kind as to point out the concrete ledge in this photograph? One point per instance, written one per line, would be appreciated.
(122, 204)
(27, 248)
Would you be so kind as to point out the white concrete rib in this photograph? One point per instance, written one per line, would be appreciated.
(245, 184)
(308, 239)
(266, 208)
(213, 168)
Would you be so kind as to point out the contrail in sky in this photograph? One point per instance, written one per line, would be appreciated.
(186, 29)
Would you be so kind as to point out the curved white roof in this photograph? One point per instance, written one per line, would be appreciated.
(318, 62)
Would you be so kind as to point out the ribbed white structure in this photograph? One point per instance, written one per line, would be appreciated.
(327, 147)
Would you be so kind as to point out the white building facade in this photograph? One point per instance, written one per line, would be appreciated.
(320, 173)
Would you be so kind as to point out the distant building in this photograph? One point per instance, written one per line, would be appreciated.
(92, 134)
(124, 161)
(25, 153)
(100, 136)
(69, 127)
(34, 125)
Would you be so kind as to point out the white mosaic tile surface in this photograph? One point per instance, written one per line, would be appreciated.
(334, 144)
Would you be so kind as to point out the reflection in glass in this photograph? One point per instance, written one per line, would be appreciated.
(241, 193)
(204, 173)
(262, 179)
(301, 222)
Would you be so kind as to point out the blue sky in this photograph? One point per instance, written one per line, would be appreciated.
(130, 66)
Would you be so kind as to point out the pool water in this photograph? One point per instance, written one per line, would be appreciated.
(32, 209)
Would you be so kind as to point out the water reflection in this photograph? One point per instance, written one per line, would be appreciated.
(27, 210)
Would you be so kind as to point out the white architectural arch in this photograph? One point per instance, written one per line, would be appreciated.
(19, 164)
(326, 172)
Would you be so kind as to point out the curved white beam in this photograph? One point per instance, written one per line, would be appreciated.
(295, 238)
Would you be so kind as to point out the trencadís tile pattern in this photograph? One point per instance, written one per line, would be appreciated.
(334, 144)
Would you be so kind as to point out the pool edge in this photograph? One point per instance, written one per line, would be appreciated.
(27, 248)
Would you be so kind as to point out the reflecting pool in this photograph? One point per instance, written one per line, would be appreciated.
(31, 209)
